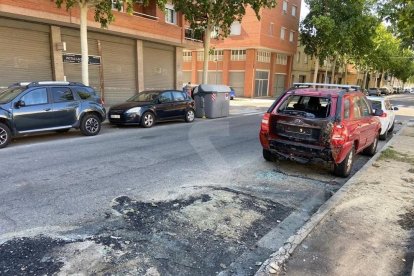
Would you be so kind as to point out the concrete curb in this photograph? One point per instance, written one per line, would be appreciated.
(274, 265)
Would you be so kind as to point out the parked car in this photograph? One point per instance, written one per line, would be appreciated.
(385, 91)
(27, 108)
(388, 116)
(333, 125)
(373, 91)
(232, 93)
(148, 107)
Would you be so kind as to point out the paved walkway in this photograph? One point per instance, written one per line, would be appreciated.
(370, 229)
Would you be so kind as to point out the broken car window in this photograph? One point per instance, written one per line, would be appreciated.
(306, 106)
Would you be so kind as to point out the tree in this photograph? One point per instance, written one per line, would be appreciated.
(103, 14)
(337, 29)
(209, 15)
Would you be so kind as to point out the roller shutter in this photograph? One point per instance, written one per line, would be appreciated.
(25, 52)
(73, 71)
(236, 80)
(120, 77)
(213, 77)
(159, 66)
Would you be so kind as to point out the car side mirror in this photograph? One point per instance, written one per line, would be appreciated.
(378, 112)
(396, 108)
(19, 104)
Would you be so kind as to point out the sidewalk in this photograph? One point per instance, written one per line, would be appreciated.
(368, 227)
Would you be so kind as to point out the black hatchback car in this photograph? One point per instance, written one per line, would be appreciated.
(49, 106)
(148, 107)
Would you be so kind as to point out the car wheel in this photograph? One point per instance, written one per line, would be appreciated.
(344, 168)
(189, 116)
(5, 135)
(384, 136)
(90, 125)
(392, 127)
(147, 120)
(372, 149)
(62, 130)
(267, 155)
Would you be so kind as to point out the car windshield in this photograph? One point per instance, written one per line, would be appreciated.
(306, 106)
(376, 105)
(10, 93)
(144, 97)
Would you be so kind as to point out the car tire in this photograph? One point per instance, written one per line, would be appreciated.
(268, 156)
(344, 168)
(147, 119)
(5, 135)
(189, 116)
(372, 149)
(90, 125)
(392, 127)
(384, 136)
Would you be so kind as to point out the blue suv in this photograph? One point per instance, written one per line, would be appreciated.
(49, 106)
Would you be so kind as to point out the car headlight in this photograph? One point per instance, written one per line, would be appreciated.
(133, 110)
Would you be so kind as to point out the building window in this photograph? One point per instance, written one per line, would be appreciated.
(285, 7)
(271, 29)
(170, 14)
(281, 59)
(217, 55)
(263, 56)
(298, 57)
(305, 59)
(294, 10)
(200, 56)
(118, 4)
(291, 36)
(238, 55)
(282, 33)
(187, 56)
(235, 28)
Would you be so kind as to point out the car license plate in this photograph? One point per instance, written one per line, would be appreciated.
(115, 116)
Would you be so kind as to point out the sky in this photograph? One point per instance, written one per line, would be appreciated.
(304, 10)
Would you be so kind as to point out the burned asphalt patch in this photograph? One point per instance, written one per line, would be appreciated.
(30, 256)
(199, 235)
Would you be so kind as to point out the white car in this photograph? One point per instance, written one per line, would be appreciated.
(388, 117)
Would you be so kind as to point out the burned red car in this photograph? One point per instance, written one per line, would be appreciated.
(327, 122)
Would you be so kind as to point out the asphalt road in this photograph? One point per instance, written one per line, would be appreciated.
(56, 182)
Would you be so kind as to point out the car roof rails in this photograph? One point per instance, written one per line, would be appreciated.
(38, 83)
(327, 85)
(26, 83)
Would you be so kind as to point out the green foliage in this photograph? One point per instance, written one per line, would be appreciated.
(218, 14)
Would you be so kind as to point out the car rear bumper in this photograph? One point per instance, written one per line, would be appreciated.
(300, 152)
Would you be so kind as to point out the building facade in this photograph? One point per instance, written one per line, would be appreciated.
(256, 59)
(140, 51)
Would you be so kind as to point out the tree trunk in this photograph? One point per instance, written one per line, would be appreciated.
(326, 72)
(364, 81)
(84, 41)
(333, 71)
(207, 37)
(382, 79)
(315, 75)
(346, 73)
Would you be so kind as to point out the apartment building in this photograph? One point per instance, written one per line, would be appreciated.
(257, 58)
(136, 52)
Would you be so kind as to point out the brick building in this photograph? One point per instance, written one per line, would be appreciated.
(137, 52)
(256, 59)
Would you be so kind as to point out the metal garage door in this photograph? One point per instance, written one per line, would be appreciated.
(159, 66)
(120, 77)
(213, 77)
(279, 84)
(25, 52)
(236, 80)
(73, 71)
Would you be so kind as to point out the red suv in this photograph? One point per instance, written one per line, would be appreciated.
(321, 122)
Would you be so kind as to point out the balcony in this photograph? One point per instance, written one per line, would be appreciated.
(148, 12)
(194, 35)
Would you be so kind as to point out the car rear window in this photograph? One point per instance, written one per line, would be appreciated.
(85, 92)
(306, 106)
(376, 105)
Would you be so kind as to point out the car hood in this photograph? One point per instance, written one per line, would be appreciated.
(129, 105)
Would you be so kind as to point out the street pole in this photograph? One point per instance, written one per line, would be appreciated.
(216, 61)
